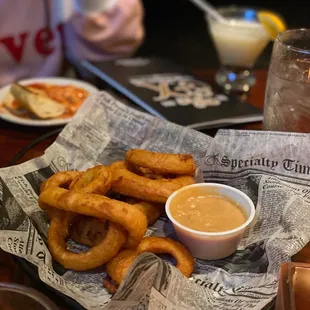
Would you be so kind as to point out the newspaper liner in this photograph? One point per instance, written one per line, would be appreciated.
(272, 168)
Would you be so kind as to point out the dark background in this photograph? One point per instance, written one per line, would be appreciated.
(177, 30)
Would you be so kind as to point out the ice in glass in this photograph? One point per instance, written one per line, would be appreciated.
(287, 97)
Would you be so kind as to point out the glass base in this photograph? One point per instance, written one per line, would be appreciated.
(235, 78)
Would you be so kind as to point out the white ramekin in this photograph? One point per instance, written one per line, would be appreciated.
(213, 245)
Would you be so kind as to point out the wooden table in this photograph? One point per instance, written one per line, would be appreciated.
(13, 138)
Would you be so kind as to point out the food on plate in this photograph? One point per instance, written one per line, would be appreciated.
(161, 163)
(130, 184)
(209, 210)
(44, 101)
(118, 267)
(108, 209)
(71, 96)
(96, 256)
(41, 106)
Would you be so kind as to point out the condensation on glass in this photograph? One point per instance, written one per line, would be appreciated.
(287, 98)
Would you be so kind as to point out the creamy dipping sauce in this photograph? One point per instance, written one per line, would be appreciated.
(206, 210)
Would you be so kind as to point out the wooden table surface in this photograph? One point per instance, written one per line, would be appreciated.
(14, 137)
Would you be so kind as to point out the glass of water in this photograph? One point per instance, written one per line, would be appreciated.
(287, 98)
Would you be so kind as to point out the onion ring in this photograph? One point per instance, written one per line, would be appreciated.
(48, 210)
(119, 265)
(110, 287)
(128, 216)
(59, 179)
(161, 163)
(156, 245)
(149, 209)
(147, 173)
(88, 231)
(95, 257)
(118, 165)
(129, 184)
(95, 180)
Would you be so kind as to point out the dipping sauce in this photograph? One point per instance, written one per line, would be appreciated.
(206, 210)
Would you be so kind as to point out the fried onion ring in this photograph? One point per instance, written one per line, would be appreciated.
(147, 173)
(119, 265)
(129, 184)
(95, 257)
(117, 165)
(59, 179)
(110, 287)
(149, 209)
(156, 245)
(95, 180)
(48, 210)
(161, 163)
(128, 216)
(88, 231)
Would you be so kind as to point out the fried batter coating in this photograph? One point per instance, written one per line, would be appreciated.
(59, 179)
(119, 265)
(151, 210)
(161, 163)
(94, 257)
(95, 180)
(156, 245)
(101, 207)
(129, 184)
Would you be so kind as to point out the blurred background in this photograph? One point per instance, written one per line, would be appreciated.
(177, 30)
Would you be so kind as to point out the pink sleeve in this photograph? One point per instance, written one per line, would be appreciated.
(104, 36)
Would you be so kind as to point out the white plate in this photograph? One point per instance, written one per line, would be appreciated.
(8, 116)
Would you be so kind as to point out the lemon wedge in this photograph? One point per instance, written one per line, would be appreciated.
(273, 23)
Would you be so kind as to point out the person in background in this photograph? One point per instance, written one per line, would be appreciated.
(36, 34)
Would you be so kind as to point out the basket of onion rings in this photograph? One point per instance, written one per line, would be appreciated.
(108, 209)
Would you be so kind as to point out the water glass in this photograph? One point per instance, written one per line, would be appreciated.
(287, 97)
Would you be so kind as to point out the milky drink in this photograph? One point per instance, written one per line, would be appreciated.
(239, 42)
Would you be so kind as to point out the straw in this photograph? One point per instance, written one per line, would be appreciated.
(209, 9)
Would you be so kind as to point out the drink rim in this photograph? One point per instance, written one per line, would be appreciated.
(235, 8)
(291, 47)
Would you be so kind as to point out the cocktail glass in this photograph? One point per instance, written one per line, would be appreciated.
(238, 42)
(287, 97)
